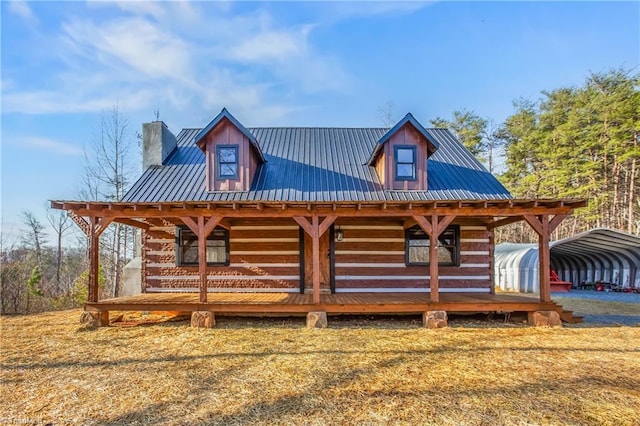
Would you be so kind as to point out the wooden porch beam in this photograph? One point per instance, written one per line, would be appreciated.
(191, 224)
(103, 223)
(504, 221)
(534, 222)
(304, 224)
(557, 219)
(409, 223)
(341, 211)
(210, 224)
(443, 223)
(424, 224)
(133, 222)
(80, 221)
(326, 223)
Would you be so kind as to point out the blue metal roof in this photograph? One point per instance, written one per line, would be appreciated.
(318, 165)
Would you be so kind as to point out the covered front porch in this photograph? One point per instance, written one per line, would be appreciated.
(286, 304)
(315, 221)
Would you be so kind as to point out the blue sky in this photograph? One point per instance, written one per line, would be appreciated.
(275, 64)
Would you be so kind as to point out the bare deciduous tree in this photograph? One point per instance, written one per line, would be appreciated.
(60, 222)
(34, 236)
(385, 114)
(106, 178)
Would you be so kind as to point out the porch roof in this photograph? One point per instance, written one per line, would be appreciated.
(470, 208)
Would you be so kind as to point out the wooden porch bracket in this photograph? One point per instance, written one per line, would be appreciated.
(133, 222)
(503, 222)
(202, 228)
(80, 221)
(434, 229)
(315, 229)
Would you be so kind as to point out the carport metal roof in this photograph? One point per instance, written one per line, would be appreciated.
(603, 249)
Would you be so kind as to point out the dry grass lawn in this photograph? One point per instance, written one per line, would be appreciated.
(275, 371)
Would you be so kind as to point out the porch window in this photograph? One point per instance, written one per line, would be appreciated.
(405, 166)
(187, 247)
(417, 247)
(227, 159)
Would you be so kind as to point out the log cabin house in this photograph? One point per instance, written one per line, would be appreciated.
(330, 220)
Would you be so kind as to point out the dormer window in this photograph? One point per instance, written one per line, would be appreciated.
(405, 166)
(227, 159)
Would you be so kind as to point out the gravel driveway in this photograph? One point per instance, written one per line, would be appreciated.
(604, 297)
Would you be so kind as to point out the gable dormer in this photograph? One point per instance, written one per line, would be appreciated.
(232, 154)
(400, 156)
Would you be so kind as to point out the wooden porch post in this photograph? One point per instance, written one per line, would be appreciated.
(94, 255)
(202, 229)
(433, 260)
(544, 227)
(315, 229)
(433, 229)
(92, 229)
(543, 251)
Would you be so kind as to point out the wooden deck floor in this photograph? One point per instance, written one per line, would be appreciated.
(345, 303)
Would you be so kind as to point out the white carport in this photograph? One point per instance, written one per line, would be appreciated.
(598, 255)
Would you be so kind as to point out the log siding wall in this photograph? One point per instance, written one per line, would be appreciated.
(264, 256)
(372, 256)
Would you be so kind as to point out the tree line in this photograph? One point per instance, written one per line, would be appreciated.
(41, 273)
(573, 142)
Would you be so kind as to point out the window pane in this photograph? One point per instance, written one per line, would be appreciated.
(405, 170)
(216, 254)
(228, 169)
(189, 253)
(419, 243)
(419, 254)
(405, 155)
(445, 255)
(227, 155)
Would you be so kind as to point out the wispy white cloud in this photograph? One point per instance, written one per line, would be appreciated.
(22, 9)
(72, 101)
(50, 145)
(179, 57)
(365, 8)
(268, 46)
(135, 42)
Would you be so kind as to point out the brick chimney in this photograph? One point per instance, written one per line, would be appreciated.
(157, 143)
